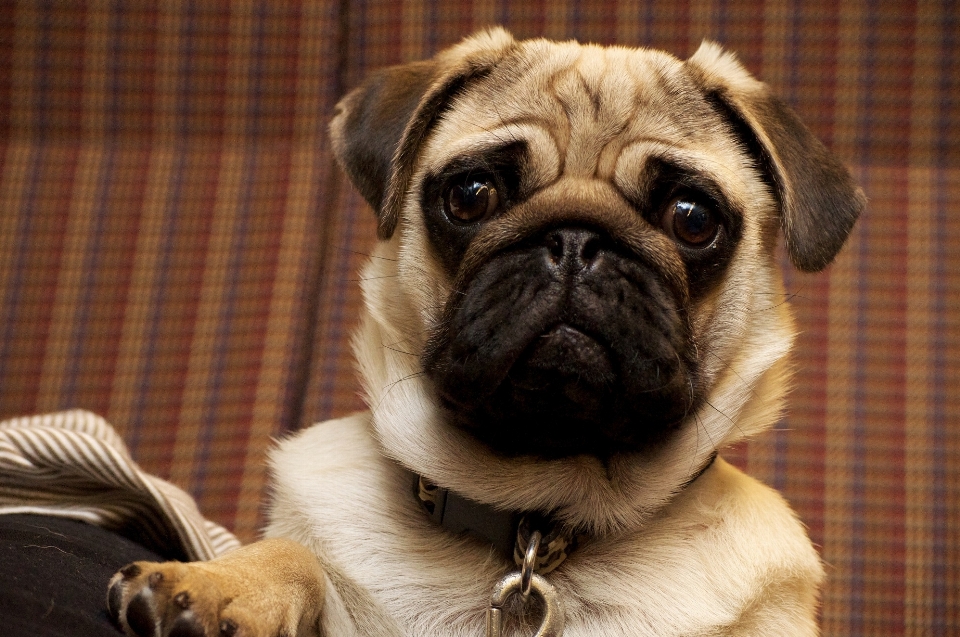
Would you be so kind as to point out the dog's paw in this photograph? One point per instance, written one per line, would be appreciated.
(268, 589)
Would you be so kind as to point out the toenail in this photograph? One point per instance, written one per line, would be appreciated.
(130, 570)
(228, 628)
(182, 599)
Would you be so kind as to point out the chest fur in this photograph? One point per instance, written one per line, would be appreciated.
(698, 568)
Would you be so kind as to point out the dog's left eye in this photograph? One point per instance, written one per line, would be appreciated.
(690, 223)
(471, 199)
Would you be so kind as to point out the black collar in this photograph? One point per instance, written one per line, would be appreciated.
(508, 531)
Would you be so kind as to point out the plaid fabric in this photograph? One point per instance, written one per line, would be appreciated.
(165, 188)
(178, 254)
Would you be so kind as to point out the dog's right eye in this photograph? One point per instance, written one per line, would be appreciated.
(690, 222)
(471, 199)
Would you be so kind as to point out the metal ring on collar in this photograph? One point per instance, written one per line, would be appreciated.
(529, 564)
(553, 613)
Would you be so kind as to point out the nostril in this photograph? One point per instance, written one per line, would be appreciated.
(554, 244)
(573, 249)
(590, 248)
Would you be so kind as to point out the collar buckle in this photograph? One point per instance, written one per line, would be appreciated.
(508, 531)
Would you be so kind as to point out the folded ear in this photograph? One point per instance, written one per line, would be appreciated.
(378, 128)
(819, 201)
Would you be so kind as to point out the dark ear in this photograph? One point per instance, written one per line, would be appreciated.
(378, 128)
(369, 123)
(819, 200)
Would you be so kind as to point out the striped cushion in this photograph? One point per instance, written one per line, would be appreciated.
(72, 464)
(178, 254)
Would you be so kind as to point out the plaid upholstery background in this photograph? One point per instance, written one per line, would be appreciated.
(178, 254)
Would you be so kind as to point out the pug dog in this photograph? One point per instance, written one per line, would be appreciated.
(574, 304)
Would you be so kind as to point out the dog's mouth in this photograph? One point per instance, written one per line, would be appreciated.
(565, 364)
(565, 395)
(535, 363)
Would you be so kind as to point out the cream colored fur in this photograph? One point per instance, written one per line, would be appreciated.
(724, 556)
(742, 336)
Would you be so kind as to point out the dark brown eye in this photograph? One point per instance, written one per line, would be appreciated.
(471, 200)
(690, 223)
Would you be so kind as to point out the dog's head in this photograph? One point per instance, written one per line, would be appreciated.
(576, 298)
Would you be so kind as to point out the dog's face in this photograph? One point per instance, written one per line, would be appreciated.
(576, 297)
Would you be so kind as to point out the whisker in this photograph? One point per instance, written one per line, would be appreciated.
(373, 278)
(787, 297)
(732, 421)
(398, 351)
(366, 254)
(388, 388)
(727, 366)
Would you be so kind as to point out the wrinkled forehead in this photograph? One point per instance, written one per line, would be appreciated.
(587, 110)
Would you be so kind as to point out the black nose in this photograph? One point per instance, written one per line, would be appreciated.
(572, 249)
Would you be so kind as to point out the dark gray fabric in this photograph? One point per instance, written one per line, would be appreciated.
(54, 574)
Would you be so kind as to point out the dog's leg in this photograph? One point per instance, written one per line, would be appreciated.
(267, 589)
